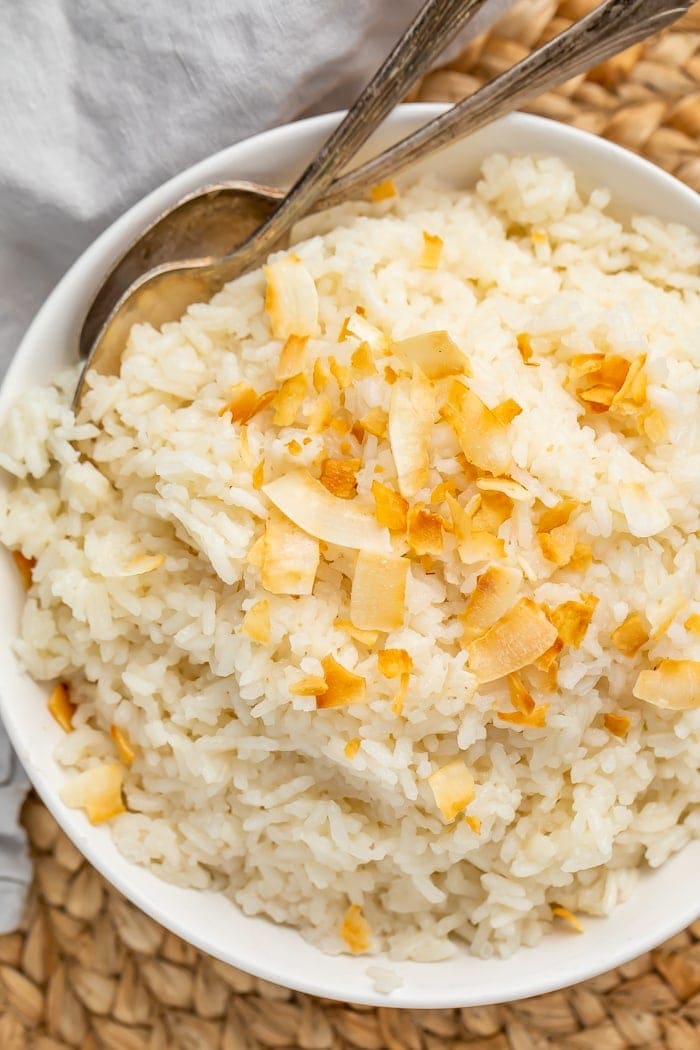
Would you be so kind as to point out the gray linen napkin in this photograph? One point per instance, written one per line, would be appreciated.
(104, 101)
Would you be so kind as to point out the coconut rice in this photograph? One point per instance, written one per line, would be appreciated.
(393, 639)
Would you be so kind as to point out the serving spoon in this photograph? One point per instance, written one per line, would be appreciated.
(254, 219)
(227, 212)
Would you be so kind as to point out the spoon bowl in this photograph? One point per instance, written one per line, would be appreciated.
(206, 222)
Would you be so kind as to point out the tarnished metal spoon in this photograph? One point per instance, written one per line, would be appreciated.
(221, 215)
(252, 212)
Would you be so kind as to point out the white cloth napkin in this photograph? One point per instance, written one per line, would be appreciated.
(105, 101)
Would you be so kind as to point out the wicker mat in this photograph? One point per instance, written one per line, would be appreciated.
(88, 970)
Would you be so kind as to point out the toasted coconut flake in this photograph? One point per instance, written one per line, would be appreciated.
(506, 412)
(321, 375)
(98, 791)
(520, 636)
(362, 361)
(368, 638)
(692, 624)
(599, 378)
(424, 530)
(453, 788)
(383, 191)
(411, 417)
(378, 595)
(258, 475)
(339, 476)
(256, 622)
(432, 251)
(581, 365)
(341, 373)
(495, 592)
(598, 398)
(673, 685)
(342, 686)
(290, 557)
(535, 719)
(435, 353)
(244, 454)
(614, 370)
(512, 489)
(306, 502)
(291, 299)
(482, 437)
(355, 930)
(310, 685)
(401, 694)
(292, 356)
(480, 546)
(474, 823)
(667, 614)
(569, 917)
(288, 400)
(245, 403)
(242, 404)
(393, 663)
(581, 558)
(352, 747)
(124, 747)
(633, 392)
(340, 424)
(553, 517)
(441, 492)
(610, 382)
(519, 696)
(618, 725)
(24, 568)
(375, 422)
(391, 508)
(320, 416)
(142, 564)
(550, 657)
(494, 508)
(61, 707)
(256, 553)
(653, 425)
(462, 524)
(558, 545)
(524, 346)
(645, 515)
(373, 337)
(572, 619)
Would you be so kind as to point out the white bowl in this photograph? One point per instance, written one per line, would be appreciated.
(666, 900)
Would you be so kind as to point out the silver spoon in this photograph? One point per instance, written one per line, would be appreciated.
(610, 28)
(164, 293)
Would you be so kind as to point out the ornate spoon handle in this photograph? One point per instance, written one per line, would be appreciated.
(435, 25)
(610, 28)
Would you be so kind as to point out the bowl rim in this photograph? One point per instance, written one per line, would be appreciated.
(274, 970)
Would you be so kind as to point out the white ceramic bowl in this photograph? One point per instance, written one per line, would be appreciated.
(665, 902)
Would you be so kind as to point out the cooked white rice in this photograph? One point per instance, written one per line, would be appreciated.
(240, 785)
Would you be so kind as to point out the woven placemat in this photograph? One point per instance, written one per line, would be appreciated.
(88, 970)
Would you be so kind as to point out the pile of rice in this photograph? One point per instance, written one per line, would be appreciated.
(404, 653)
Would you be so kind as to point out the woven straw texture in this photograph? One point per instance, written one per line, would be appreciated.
(88, 970)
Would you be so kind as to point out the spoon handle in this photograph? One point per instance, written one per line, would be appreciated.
(610, 28)
(435, 25)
